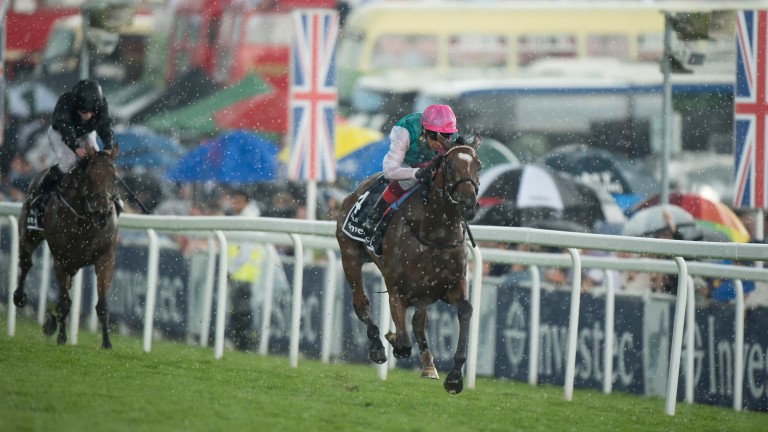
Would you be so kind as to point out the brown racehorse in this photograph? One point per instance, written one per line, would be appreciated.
(81, 229)
(423, 259)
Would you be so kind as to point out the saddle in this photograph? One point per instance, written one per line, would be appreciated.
(354, 222)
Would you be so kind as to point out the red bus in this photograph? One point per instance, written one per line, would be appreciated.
(230, 38)
(28, 23)
(193, 33)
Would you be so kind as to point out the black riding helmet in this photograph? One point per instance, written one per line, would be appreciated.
(88, 96)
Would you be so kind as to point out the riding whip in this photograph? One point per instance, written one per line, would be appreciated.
(133, 196)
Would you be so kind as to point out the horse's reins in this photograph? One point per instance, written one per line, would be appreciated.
(448, 196)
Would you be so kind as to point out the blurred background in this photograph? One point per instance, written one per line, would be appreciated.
(199, 90)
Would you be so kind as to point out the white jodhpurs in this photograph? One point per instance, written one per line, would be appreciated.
(66, 158)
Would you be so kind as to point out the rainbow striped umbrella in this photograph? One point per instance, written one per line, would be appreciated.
(709, 215)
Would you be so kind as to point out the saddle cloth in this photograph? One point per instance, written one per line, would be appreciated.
(353, 223)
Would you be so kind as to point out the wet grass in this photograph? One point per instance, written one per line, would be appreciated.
(178, 387)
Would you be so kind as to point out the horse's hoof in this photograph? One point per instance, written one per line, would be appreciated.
(49, 326)
(378, 356)
(454, 383)
(106, 344)
(430, 373)
(402, 352)
(62, 339)
(20, 298)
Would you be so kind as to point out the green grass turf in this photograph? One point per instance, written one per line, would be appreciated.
(177, 387)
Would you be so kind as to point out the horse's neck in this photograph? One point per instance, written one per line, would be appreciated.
(69, 190)
(440, 220)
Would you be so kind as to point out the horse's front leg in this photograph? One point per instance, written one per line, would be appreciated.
(419, 324)
(353, 271)
(62, 311)
(28, 242)
(104, 274)
(25, 264)
(401, 343)
(64, 303)
(454, 382)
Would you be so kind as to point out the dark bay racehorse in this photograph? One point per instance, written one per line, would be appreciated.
(81, 229)
(423, 259)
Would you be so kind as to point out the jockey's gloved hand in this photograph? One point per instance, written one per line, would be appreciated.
(428, 172)
(423, 174)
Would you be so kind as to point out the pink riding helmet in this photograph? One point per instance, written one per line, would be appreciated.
(439, 118)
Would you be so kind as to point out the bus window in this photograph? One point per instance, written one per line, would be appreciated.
(397, 51)
(58, 51)
(225, 54)
(650, 46)
(613, 46)
(269, 29)
(349, 49)
(185, 40)
(477, 50)
(532, 47)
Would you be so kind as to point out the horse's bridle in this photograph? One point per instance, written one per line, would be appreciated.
(447, 195)
(89, 199)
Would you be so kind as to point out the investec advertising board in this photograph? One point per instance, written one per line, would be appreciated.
(642, 329)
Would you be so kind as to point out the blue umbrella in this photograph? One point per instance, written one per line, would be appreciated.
(364, 161)
(140, 146)
(236, 157)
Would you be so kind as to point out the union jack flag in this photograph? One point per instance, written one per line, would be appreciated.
(751, 110)
(313, 96)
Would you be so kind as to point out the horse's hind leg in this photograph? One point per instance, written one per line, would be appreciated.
(353, 271)
(454, 382)
(419, 324)
(28, 242)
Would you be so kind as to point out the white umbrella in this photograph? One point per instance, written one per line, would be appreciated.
(650, 222)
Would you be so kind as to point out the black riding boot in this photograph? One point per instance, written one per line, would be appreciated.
(374, 216)
(118, 205)
(37, 199)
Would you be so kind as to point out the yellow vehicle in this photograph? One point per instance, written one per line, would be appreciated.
(486, 39)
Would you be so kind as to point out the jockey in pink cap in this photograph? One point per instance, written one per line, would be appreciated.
(413, 148)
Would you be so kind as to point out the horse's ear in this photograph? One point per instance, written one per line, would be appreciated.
(89, 151)
(115, 150)
(444, 142)
(475, 142)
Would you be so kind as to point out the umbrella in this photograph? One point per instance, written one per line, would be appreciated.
(196, 119)
(348, 139)
(649, 222)
(140, 146)
(709, 215)
(521, 195)
(625, 179)
(236, 157)
(364, 161)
